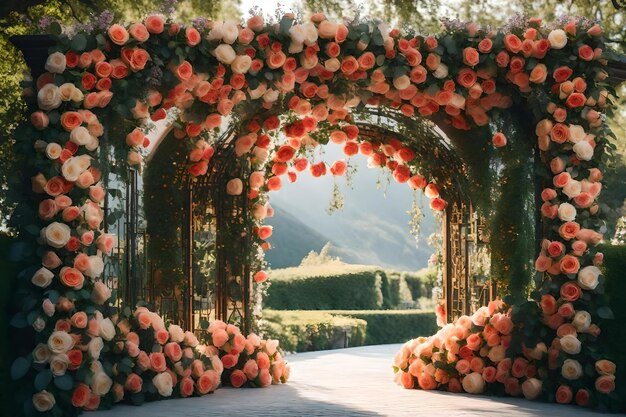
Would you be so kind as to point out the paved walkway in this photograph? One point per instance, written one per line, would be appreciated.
(347, 382)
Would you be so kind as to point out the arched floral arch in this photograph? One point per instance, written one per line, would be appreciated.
(304, 80)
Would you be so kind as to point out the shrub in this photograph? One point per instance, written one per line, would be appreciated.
(420, 283)
(394, 326)
(325, 288)
(301, 331)
(318, 330)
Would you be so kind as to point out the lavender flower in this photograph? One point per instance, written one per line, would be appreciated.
(168, 7)
(199, 23)
(45, 22)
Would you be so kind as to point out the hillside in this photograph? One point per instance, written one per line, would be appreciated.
(371, 229)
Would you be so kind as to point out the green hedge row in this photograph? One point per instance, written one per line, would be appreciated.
(394, 326)
(350, 289)
(346, 287)
(302, 330)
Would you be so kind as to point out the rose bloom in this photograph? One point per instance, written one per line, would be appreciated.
(237, 378)
(570, 291)
(569, 264)
(605, 384)
(473, 383)
(571, 369)
(570, 344)
(564, 394)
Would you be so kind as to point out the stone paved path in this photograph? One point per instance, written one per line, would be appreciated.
(346, 382)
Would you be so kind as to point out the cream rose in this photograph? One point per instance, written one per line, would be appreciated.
(95, 266)
(39, 324)
(43, 401)
(57, 234)
(49, 97)
(100, 293)
(258, 92)
(80, 136)
(101, 383)
(441, 71)
(581, 320)
(531, 388)
(225, 53)
(474, 383)
(297, 34)
(230, 32)
(332, 64)
(583, 150)
(56, 63)
(53, 151)
(177, 334)
(95, 347)
(588, 277)
(163, 383)
(66, 90)
(107, 329)
(570, 344)
(401, 82)
(42, 277)
(572, 189)
(497, 353)
(41, 353)
(60, 342)
(571, 369)
(59, 364)
(576, 133)
(558, 39)
(77, 96)
(310, 34)
(567, 212)
(270, 95)
(241, 64)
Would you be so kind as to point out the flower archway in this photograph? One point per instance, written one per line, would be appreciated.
(292, 85)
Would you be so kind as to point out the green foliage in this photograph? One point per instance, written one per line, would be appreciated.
(394, 326)
(164, 199)
(321, 288)
(318, 330)
(301, 331)
(613, 331)
(8, 274)
(420, 283)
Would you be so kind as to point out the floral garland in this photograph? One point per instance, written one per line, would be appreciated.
(306, 78)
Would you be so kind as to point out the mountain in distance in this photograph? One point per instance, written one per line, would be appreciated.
(371, 229)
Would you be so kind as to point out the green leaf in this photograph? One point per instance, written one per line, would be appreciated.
(606, 313)
(64, 382)
(79, 43)
(19, 368)
(19, 321)
(42, 380)
(55, 28)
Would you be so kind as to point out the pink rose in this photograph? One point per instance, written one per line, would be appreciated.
(219, 337)
(263, 360)
(173, 351)
(157, 362)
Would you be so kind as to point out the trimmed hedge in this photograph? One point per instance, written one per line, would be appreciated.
(614, 331)
(302, 331)
(347, 287)
(420, 283)
(394, 326)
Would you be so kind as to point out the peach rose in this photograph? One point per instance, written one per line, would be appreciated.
(118, 34)
(605, 384)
